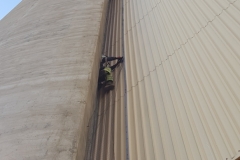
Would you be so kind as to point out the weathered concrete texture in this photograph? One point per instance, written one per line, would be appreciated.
(48, 75)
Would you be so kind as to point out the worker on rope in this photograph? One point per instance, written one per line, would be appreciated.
(105, 72)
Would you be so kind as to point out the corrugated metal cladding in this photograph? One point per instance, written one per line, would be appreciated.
(107, 140)
(182, 60)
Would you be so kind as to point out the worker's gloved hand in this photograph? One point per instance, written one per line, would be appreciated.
(120, 60)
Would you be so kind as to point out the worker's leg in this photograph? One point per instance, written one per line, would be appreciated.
(102, 74)
(101, 78)
(109, 86)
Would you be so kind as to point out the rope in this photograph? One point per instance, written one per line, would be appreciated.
(101, 116)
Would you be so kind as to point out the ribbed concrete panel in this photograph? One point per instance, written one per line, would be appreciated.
(107, 138)
(183, 91)
(182, 63)
(48, 77)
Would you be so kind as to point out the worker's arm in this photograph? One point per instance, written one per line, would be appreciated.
(118, 62)
(114, 66)
(110, 59)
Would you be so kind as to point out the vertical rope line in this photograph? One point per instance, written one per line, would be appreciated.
(125, 86)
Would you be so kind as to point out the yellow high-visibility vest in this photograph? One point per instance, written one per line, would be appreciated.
(109, 76)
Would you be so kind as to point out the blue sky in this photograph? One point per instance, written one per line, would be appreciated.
(6, 6)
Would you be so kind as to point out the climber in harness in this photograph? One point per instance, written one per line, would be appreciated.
(105, 72)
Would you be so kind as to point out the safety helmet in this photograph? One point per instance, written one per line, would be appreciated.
(103, 56)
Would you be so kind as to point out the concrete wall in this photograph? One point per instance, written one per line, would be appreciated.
(48, 71)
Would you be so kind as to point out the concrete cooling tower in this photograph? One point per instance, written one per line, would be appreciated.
(176, 95)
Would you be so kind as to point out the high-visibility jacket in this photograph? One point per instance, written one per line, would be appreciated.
(109, 76)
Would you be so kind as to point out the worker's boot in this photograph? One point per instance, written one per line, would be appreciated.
(109, 86)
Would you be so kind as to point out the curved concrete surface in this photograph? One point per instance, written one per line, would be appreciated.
(50, 52)
(182, 92)
(183, 82)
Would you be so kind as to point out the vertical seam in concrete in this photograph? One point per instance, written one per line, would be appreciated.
(125, 86)
(94, 116)
(105, 30)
